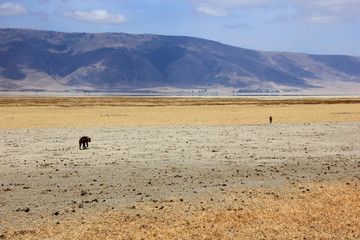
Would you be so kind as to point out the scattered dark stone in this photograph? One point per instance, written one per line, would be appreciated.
(23, 210)
(23, 232)
(56, 213)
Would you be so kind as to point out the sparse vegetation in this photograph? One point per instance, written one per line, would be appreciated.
(328, 210)
(157, 111)
(174, 180)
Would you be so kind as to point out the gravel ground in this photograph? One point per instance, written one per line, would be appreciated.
(44, 177)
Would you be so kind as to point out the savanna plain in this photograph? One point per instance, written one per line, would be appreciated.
(179, 168)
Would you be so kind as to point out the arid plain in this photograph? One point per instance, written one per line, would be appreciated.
(179, 168)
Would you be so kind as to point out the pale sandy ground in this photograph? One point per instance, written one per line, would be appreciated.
(46, 179)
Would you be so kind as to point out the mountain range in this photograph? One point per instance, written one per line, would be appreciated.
(33, 60)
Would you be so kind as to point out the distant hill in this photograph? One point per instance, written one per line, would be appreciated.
(56, 61)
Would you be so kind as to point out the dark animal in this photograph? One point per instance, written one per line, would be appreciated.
(270, 119)
(84, 141)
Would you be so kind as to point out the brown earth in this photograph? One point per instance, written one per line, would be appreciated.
(179, 168)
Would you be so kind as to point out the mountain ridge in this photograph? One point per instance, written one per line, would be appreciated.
(59, 61)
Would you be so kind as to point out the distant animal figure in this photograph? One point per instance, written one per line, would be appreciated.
(270, 119)
(84, 141)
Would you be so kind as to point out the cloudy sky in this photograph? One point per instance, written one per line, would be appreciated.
(310, 26)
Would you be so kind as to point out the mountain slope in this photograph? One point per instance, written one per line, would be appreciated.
(45, 60)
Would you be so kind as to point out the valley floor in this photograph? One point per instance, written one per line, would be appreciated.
(196, 171)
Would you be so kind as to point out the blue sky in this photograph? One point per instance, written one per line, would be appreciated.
(309, 26)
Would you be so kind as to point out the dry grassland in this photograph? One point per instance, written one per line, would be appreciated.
(18, 113)
(326, 208)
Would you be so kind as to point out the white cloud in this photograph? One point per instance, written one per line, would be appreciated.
(311, 11)
(8, 9)
(327, 11)
(232, 3)
(319, 19)
(212, 11)
(96, 16)
(220, 8)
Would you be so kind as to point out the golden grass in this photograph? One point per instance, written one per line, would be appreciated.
(327, 210)
(18, 113)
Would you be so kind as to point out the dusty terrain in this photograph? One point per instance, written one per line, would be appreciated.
(178, 168)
